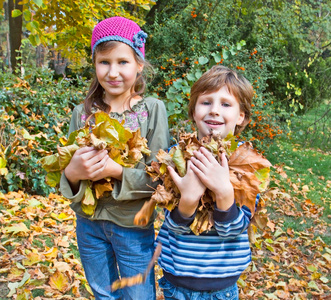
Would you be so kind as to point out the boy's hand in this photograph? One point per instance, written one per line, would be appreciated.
(191, 189)
(214, 176)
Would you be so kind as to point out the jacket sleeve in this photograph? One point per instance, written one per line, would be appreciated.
(64, 183)
(136, 183)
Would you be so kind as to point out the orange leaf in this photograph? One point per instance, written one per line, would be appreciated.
(145, 213)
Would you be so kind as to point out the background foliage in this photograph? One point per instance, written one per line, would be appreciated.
(282, 47)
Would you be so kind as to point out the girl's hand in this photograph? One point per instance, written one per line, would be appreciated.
(214, 176)
(191, 190)
(86, 164)
(112, 169)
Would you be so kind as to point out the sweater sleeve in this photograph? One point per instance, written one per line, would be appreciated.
(233, 222)
(228, 224)
(136, 183)
(176, 222)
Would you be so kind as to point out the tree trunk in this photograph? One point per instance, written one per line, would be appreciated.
(15, 32)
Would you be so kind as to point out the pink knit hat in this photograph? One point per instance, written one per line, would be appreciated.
(122, 30)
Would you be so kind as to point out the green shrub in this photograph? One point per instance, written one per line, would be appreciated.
(35, 114)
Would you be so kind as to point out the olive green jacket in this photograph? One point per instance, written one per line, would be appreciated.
(128, 196)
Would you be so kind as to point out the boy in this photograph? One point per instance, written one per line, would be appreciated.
(207, 266)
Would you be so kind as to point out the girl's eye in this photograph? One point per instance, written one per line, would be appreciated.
(226, 104)
(205, 103)
(123, 62)
(103, 62)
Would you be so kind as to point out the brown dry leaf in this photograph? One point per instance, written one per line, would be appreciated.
(145, 213)
(202, 222)
(101, 187)
(130, 281)
(246, 187)
(161, 196)
(97, 143)
(243, 164)
(139, 278)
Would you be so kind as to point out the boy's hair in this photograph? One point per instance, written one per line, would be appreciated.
(217, 77)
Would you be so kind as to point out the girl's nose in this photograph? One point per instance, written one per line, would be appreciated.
(112, 72)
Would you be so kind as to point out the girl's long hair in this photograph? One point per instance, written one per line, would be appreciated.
(95, 94)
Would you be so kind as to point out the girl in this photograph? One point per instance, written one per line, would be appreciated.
(108, 242)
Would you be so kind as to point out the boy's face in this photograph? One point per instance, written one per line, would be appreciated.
(217, 112)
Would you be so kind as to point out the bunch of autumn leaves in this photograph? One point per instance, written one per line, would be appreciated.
(249, 170)
(124, 146)
(249, 175)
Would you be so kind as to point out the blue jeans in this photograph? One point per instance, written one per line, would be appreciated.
(172, 292)
(107, 250)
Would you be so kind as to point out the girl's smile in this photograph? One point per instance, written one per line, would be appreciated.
(114, 83)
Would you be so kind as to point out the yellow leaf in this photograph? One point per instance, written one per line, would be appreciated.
(51, 253)
(53, 178)
(17, 228)
(179, 161)
(59, 281)
(15, 273)
(241, 282)
(88, 197)
(50, 163)
(313, 285)
(311, 268)
(32, 258)
(3, 163)
(65, 154)
(89, 203)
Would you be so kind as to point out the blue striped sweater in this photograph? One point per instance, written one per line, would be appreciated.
(210, 261)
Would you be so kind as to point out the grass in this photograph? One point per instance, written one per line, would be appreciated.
(300, 211)
(307, 164)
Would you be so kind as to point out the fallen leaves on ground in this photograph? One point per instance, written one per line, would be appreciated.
(38, 252)
(39, 257)
(288, 263)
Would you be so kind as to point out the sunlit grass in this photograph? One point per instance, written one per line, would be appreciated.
(308, 168)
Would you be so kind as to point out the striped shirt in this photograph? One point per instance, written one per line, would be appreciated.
(210, 261)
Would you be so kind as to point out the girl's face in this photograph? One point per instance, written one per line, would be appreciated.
(217, 112)
(116, 71)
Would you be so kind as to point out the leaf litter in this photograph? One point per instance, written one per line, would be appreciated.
(39, 257)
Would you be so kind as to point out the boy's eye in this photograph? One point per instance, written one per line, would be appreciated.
(123, 62)
(104, 62)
